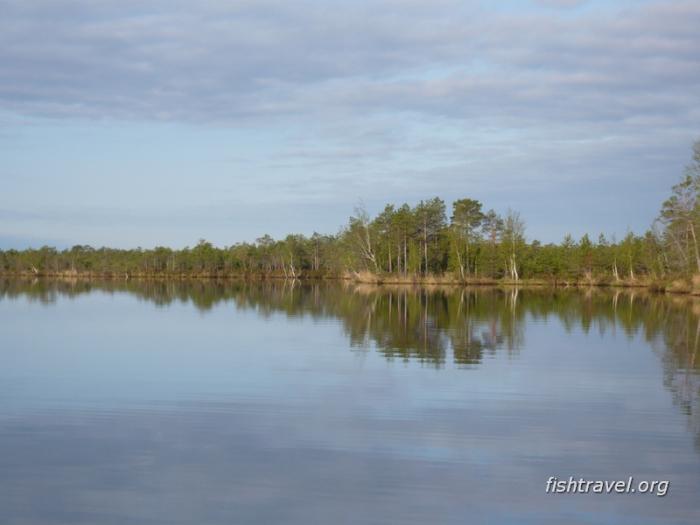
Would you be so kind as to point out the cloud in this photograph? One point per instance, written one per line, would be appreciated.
(560, 3)
(259, 60)
(386, 98)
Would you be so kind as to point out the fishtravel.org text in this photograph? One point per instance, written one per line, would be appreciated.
(582, 486)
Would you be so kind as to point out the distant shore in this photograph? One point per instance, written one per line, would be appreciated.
(677, 285)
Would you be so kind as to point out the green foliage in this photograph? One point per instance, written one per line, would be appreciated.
(465, 235)
(409, 241)
(680, 219)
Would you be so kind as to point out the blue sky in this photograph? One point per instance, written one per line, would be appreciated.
(132, 123)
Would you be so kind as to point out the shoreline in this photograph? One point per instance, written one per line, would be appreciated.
(680, 286)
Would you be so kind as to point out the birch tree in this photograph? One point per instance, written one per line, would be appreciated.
(680, 216)
(360, 232)
(513, 240)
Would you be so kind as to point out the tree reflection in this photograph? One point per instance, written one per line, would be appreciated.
(435, 325)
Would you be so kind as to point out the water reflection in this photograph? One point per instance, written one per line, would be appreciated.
(427, 324)
(430, 324)
(676, 339)
(467, 398)
(434, 324)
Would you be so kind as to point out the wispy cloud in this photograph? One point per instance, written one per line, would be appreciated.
(391, 95)
(225, 62)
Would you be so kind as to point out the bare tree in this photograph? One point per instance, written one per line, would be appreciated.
(362, 236)
(513, 238)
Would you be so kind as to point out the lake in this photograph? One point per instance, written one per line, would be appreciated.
(201, 402)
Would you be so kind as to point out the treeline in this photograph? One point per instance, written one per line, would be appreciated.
(404, 243)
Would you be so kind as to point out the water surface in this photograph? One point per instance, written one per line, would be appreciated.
(226, 403)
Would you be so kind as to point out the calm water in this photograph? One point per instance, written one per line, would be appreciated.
(206, 403)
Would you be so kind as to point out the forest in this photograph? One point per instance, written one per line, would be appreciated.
(425, 242)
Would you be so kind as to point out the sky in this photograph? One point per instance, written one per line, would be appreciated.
(141, 123)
